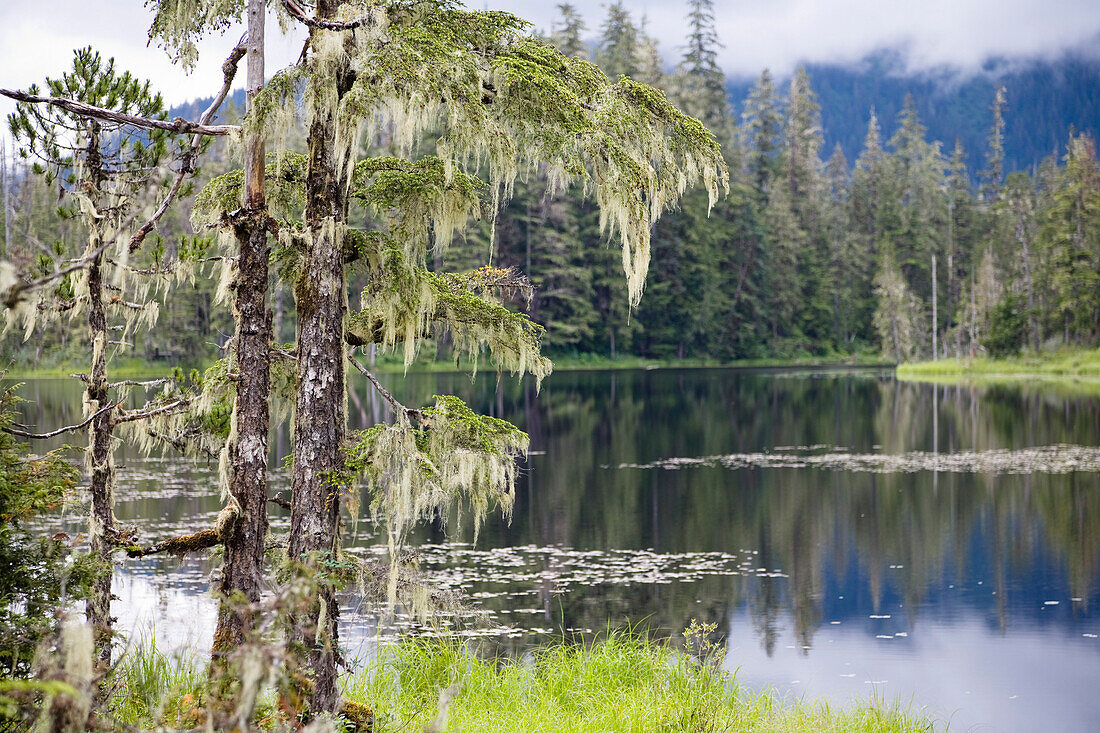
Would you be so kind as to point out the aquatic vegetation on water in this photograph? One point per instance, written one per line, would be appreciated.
(1040, 459)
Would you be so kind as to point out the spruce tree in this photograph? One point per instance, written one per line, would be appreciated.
(1071, 234)
(700, 84)
(921, 211)
(567, 33)
(992, 176)
(618, 53)
(498, 97)
(762, 121)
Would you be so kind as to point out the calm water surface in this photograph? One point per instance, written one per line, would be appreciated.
(851, 535)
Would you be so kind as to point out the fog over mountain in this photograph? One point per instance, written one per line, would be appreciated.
(949, 54)
(1046, 95)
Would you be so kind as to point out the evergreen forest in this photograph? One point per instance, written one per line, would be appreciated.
(894, 246)
(434, 184)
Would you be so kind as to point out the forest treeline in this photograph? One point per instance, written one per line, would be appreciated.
(893, 248)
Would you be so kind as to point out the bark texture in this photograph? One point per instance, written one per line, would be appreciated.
(320, 410)
(101, 521)
(242, 572)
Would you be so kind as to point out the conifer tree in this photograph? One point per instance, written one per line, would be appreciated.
(897, 315)
(960, 228)
(847, 267)
(803, 140)
(786, 241)
(104, 176)
(618, 53)
(920, 175)
(1018, 198)
(762, 121)
(649, 66)
(497, 96)
(567, 33)
(700, 84)
(245, 380)
(992, 177)
(1071, 234)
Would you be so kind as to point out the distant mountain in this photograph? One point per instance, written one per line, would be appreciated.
(1044, 99)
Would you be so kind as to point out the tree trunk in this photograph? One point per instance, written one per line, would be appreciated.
(320, 410)
(5, 183)
(246, 451)
(1033, 326)
(935, 318)
(101, 521)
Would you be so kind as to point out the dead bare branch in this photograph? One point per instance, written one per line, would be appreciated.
(59, 431)
(125, 416)
(187, 162)
(177, 125)
(412, 415)
(295, 11)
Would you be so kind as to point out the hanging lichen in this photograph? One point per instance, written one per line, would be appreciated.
(404, 303)
(418, 199)
(178, 24)
(428, 467)
(507, 102)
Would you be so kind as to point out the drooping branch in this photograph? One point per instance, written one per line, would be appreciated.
(187, 162)
(295, 11)
(394, 404)
(15, 293)
(177, 125)
(59, 431)
(182, 442)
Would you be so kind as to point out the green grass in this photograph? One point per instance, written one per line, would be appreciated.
(129, 368)
(1076, 364)
(151, 688)
(623, 683)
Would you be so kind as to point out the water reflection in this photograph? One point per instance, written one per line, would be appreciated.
(938, 582)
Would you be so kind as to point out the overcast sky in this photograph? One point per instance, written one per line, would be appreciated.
(37, 36)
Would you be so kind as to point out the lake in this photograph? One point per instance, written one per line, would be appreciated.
(851, 535)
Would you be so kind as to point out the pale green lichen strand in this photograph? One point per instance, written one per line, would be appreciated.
(451, 455)
(402, 303)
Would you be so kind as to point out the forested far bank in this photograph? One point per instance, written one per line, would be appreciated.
(893, 248)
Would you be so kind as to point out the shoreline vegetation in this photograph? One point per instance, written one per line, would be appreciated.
(624, 682)
(390, 363)
(1064, 365)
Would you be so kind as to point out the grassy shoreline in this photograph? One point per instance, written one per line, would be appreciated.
(623, 683)
(133, 368)
(1065, 364)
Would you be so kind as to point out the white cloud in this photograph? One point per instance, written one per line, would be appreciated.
(37, 40)
(781, 33)
(37, 37)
